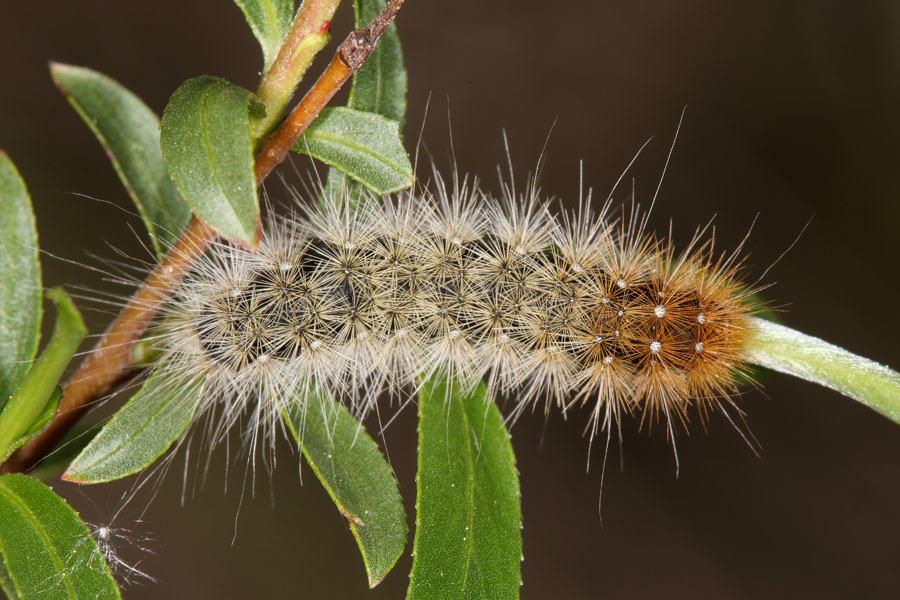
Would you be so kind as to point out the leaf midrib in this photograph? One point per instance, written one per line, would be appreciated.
(337, 139)
(470, 493)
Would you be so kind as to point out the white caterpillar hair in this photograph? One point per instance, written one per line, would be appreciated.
(358, 297)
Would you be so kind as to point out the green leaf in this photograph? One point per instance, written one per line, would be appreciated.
(20, 281)
(468, 541)
(379, 86)
(129, 133)
(788, 351)
(270, 21)
(141, 431)
(29, 403)
(208, 146)
(359, 480)
(365, 146)
(40, 423)
(48, 551)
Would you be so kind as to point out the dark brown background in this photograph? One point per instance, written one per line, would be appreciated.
(791, 114)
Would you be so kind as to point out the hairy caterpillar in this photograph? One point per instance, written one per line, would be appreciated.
(359, 297)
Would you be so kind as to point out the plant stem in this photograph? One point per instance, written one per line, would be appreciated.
(111, 359)
(788, 351)
(350, 56)
(307, 36)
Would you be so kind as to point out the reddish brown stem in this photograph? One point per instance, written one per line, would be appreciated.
(350, 56)
(111, 359)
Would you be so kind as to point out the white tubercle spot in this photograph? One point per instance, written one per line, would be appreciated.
(456, 240)
(701, 318)
(552, 349)
(598, 339)
(577, 268)
(659, 311)
(400, 333)
(655, 347)
(263, 358)
(362, 335)
(608, 360)
(285, 266)
(503, 338)
(698, 347)
(235, 292)
(621, 313)
(520, 250)
(454, 333)
(348, 245)
(621, 283)
(315, 345)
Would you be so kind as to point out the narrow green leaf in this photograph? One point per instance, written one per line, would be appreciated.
(29, 402)
(357, 477)
(468, 541)
(207, 143)
(48, 551)
(379, 86)
(365, 146)
(788, 351)
(141, 431)
(270, 21)
(20, 281)
(40, 423)
(129, 133)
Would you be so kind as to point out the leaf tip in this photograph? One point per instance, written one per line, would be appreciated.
(374, 582)
(71, 477)
(56, 70)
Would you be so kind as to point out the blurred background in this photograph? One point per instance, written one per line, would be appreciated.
(792, 116)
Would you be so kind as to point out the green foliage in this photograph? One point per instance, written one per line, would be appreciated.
(364, 146)
(129, 133)
(357, 477)
(48, 551)
(270, 21)
(208, 145)
(20, 280)
(380, 85)
(26, 413)
(140, 432)
(468, 541)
